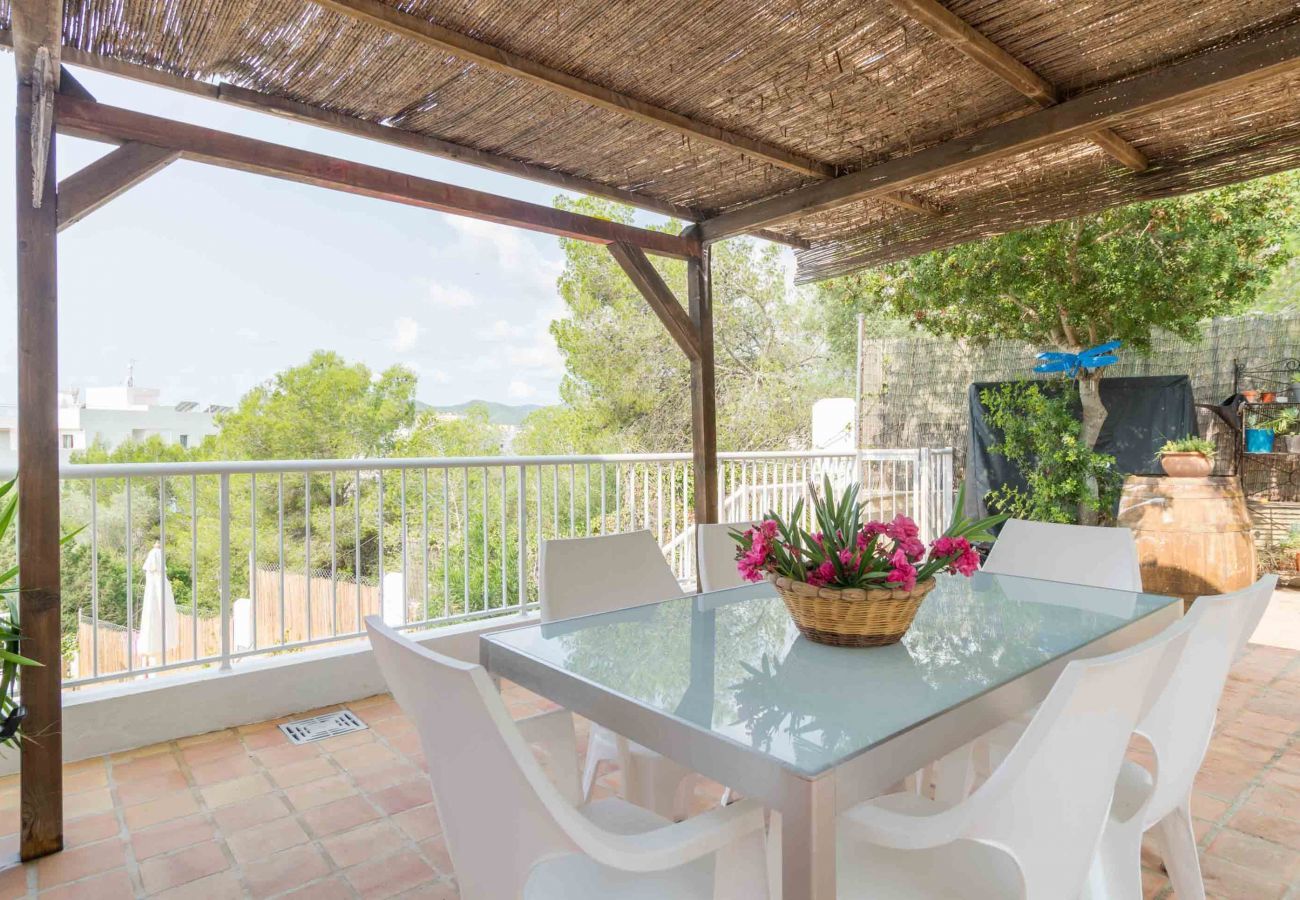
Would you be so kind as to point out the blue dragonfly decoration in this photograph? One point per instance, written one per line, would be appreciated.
(1074, 363)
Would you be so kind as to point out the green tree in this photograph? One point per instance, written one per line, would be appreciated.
(325, 408)
(625, 382)
(838, 302)
(1118, 274)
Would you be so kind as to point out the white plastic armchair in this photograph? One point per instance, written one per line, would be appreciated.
(511, 833)
(715, 555)
(1077, 554)
(582, 576)
(1031, 829)
(1178, 728)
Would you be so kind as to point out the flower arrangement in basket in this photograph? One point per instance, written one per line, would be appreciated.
(854, 583)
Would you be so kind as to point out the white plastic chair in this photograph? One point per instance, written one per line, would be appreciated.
(1178, 727)
(1030, 831)
(1072, 554)
(1077, 554)
(715, 555)
(511, 832)
(582, 576)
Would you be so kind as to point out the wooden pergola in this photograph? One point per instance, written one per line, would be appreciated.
(856, 132)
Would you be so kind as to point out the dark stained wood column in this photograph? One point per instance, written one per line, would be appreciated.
(704, 418)
(38, 492)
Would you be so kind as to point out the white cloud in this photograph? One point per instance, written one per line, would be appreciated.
(406, 331)
(501, 330)
(541, 356)
(450, 296)
(521, 390)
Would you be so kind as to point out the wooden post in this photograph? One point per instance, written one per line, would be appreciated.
(38, 490)
(704, 420)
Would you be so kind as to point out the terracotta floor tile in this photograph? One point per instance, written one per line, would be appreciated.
(285, 870)
(85, 779)
(89, 829)
(335, 888)
(221, 886)
(420, 822)
(406, 795)
(170, 836)
(13, 881)
(247, 813)
(129, 793)
(390, 876)
(172, 806)
(87, 803)
(319, 792)
(1225, 880)
(435, 848)
(339, 815)
(303, 771)
(223, 769)
(271, 757)
(183, 866)
(263, 840)
(343, 741)
(264, 738)
(370, 841)
(379, 777)
(227, 792)
(71, 865)
(1256, 854)
(146, 767)
(364, 756)
(114, 885)
(1267, 826)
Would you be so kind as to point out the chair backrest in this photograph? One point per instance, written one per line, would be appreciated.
(1255, 600)
(1047, 803)
(497, 807)
(1181, 720)
(715, 555)
(1079, 554)
(581, 576)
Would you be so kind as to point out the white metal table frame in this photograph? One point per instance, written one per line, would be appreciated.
(808, 804)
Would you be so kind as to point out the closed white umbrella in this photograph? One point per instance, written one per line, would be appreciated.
(159, 627)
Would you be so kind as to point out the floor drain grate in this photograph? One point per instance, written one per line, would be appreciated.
(317, 728)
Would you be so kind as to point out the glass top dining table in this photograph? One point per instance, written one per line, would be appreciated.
(723, 683)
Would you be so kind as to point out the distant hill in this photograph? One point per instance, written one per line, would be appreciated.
(498, 413)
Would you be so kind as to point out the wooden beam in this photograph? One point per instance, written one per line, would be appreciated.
(96, 121)
(36, 24)
(68, 84)
(949, 27)
(393, 21)
(89, 188)
(1227, 68)
(38, 496)
(642, 273)
(704, 412)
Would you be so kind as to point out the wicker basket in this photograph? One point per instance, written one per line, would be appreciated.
(851, 617)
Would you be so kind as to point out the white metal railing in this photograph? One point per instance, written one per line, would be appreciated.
(271, 556)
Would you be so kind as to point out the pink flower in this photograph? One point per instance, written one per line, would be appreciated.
(912, 547)
(768, 528)
(869, 531)
(817, 538)
(822, 575)
(848, 559)
(903, 576)
(968, 563)
(902, 529)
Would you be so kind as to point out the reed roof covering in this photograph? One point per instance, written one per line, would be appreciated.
(843, 83)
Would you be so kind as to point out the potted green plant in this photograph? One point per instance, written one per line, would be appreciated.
(11, 713)
(1189, 457)
(1285, 424)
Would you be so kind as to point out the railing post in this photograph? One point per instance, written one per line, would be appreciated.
(523, 538)
(223, 510)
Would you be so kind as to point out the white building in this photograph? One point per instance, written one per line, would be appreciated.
(113, 416)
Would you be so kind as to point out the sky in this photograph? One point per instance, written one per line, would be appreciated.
(209, 281)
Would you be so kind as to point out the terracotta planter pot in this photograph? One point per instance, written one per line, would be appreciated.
(850, 617)
(1267, 397)
(1251, 396)
(1186, 465)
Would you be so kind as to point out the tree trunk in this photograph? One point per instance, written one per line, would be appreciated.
(1094, 416)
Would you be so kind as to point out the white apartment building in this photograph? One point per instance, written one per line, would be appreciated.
(112, 416)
